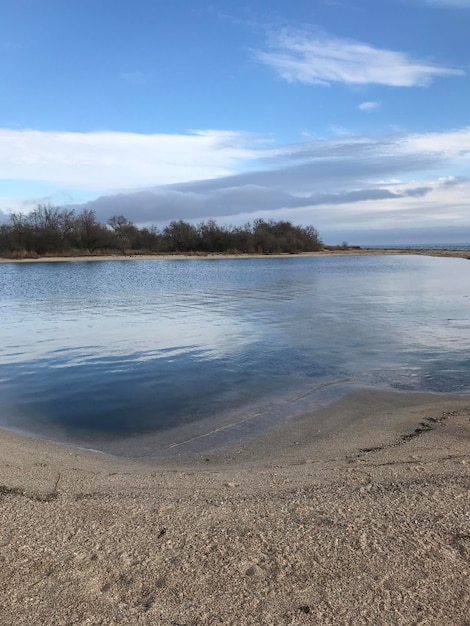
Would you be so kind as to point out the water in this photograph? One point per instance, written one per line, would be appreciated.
(114, 355)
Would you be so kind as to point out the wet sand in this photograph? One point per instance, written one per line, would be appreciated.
(368, 524)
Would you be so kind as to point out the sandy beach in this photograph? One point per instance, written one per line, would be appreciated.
(461, 254)
(369, 524)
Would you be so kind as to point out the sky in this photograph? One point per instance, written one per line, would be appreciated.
(349, 115)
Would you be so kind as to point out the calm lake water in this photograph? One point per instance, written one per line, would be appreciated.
(107, 353)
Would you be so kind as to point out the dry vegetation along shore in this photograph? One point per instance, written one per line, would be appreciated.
(327, 251)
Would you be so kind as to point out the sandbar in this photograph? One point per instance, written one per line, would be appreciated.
(461, 254)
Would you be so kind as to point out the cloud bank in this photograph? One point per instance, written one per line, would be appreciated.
(343, 186)
(338, 186)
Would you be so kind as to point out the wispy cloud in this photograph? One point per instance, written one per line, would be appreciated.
(368, 106)
(325, 59)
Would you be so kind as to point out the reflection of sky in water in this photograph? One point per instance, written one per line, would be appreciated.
(129, 347)
(131, 329)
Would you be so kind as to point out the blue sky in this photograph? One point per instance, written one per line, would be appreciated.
(351, 115)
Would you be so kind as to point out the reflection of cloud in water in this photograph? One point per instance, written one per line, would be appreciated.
(140, 334)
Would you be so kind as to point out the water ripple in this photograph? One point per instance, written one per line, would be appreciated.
(117, 349)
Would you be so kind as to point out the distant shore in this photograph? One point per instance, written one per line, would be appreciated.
(353, 251)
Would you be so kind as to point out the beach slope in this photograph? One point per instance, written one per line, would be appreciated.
(369, 525)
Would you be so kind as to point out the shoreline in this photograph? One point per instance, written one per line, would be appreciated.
(367, 524)
(461, 254)
(363, 418)
(356, 513)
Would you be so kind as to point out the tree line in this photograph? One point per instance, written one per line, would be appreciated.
(51, 230)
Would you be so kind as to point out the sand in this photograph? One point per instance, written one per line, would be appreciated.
(369, 524)
(461, 254)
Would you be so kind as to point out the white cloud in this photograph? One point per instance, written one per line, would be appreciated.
(325, 59)
(455, 143)
(368, 106)
(114, 160)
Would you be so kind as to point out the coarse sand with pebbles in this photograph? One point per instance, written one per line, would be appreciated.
(368, 525)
